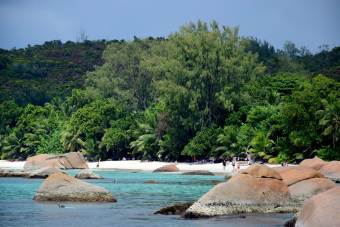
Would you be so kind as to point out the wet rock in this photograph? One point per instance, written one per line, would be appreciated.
(72, 160)
(290, 222)
(177, 209)
(322, 210)
(332, 170)
(61, 187)
(307, 188)
(199, 172)
(245, 193)
(87, 174)
(314, 163)
(167, 168)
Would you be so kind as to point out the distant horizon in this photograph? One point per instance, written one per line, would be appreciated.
(306, 23)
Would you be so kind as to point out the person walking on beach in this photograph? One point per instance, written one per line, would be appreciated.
(224, 164)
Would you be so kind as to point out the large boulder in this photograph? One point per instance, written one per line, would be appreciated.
(263, 171)
(314, 163)
(307, 188)
(293, 174)
(87, 174)
(332, 170)
(199, 172)
(258, 189)
(167, 168)
(42, 160)
(72, 160)
(43, 172)
(322, 210)
(61, 187)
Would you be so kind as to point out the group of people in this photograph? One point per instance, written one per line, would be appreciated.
(235, 164)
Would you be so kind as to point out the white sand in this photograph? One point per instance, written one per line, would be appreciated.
(11, 165)
(139, 166)
(152, 165)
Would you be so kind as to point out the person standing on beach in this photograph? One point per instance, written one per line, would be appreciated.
(233, 164)
(224, 164)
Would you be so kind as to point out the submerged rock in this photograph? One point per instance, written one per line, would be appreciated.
(72, 160)
(177, 209)
(322, 210)
(332, 170)
(43, 172)
(61, 187)
(307, 188)
(314, 163)
(199, 172)
(151, 182)
(167, 168)
(258, 189)
(87, 174)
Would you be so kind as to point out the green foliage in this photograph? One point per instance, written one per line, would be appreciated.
(37, 74)
(203, 144)
(202, 92)
(85, 127)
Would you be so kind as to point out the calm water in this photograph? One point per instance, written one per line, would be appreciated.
(135, 207)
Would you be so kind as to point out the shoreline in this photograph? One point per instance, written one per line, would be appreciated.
(138, 165)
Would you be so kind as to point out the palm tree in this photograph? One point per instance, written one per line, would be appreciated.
(228, 141)
(262, 144)
(330, 120)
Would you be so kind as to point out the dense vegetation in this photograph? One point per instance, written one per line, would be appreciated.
(202, 92)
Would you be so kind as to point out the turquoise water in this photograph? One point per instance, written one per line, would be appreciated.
(135, 207)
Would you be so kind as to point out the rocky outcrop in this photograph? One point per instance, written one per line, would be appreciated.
(304, 182)
(332, 170)
(72, 160)
(177, 209)
(61, 187)
(307, 188)
(87, 174)
(167, 168)
(258, 189)
(293, 174)
(199, 172)
(43, 172)
(12, 173)
(314, 163)
(322, 210)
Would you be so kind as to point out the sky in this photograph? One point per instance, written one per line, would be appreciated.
(308, 23)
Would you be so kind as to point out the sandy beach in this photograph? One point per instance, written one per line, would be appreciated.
(137, 165)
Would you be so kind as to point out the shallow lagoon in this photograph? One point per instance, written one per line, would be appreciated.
(136, 204)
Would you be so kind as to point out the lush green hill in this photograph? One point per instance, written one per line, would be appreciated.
(38, 73)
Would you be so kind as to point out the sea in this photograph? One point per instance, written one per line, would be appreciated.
(137, 202)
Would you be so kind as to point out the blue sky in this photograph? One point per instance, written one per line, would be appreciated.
(309, 23)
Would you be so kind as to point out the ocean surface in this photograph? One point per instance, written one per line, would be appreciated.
(136, 204)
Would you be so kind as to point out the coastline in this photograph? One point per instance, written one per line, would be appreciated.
(138, 165)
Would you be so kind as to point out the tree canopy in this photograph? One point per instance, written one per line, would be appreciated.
(203, 91)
